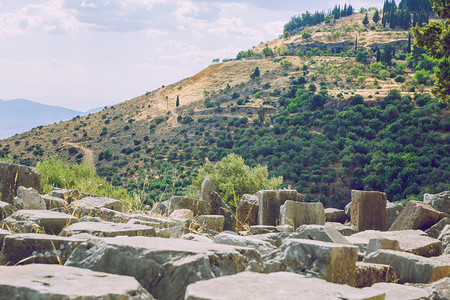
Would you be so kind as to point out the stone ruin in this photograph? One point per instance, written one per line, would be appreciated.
(67, 245)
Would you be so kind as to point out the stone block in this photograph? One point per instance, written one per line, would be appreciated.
(182, 214)
(108, 229)
(54, 202)
(247, 212)
(3, 233)
(332, 262)
(335, 215)
(412, 268)
(30, 248)
(270, 202)
(280, 285)
(381, 243)
(368, 210)
(212, 222)
(198, 207)
(440, 202)
(164, 267)
(368, 274)
(416, 215)
(435, 230)
(301, 213)
(6, 210)
(261, 229)
(228, 238)
(13, 176)
(393, 210)
(67, 195)
(29, 198)
(50, 222)
(92, 203)
(320, 233)
(412, 241)
(440, 290)
(48, 282)
(110, 215)
(157, 222)
(444, 236)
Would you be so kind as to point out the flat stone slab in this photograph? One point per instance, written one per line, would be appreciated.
(51, 222)
(158, 222)
(54, 202)
(164, 267)
(37, 248)
(345, 230)
(413, 268)
(98, 202)
(228, 238)
(320, 233)
(396, 291)
(280, 285)
(412, 241)
(46, 282)
(108, 229)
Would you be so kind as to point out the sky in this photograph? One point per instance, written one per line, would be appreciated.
(83, 54)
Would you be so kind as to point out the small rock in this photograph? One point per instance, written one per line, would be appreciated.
(368, 274)
(196, 237)
(285, 228)
(67, 195)
(377, 244)
(212, 222)
(261, 229)
(182, 214)
(335, 215)
(440, 202)
(345, 230)
(54, 202)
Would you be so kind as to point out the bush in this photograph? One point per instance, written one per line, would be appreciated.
(400, 79)
(232, 178)
(306, 35)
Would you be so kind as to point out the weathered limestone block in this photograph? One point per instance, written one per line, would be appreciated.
(412, 268)
(229, 238)
(396, 291)
(440, 290)
(3, 233)
(280, 285)
(29, 198)
(412, 241)
(368, 274)
(196, 237)
(6, 210)
(301, 213)
(285, 228)
(46, 282)
(108, 229)
(50, 222)
(110, 215)
(54, 202)
(444, 236)
(320, 233)
(37, 248)
(435, 230)
(196, 206)
(157, 222)
(335, 215)
(92, 203)
(164, 267)
(380, 243)
(332, 262)
(261, 229)
(182, 214)
(247, 212)
(368, 210)
(416, 215)
(275, 238)
(161, 208)
(212, 222)
(67, 195)
(270, 202)
(12, 176)
(345, 230)
(440, 202)
(393, 210)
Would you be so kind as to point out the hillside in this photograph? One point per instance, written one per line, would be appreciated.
(301, 116)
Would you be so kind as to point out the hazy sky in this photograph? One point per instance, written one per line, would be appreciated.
(83, 54)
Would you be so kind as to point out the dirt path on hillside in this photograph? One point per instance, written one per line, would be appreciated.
(88, 154)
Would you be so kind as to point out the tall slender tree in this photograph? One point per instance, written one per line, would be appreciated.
(376, 17)
(365, 21)
(178, 101)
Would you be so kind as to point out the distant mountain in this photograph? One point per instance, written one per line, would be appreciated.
(20, 115)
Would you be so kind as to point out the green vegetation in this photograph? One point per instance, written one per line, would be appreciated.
(232, 178)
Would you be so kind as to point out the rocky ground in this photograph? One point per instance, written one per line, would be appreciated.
(66, 245)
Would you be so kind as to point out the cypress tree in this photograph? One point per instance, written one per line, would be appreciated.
(178, 101)
(376, 17)
(365, 20)
(408, 49)
(356, 43)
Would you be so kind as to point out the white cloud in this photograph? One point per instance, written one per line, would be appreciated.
(48, 17)
(273, 28)
(149, 4)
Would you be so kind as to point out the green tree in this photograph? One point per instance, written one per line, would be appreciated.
(255, 73)
(232, 178)
(435, 38)
(267, 52)
(306, 35)
(365, 21)
(376, 17)
(178, 101)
